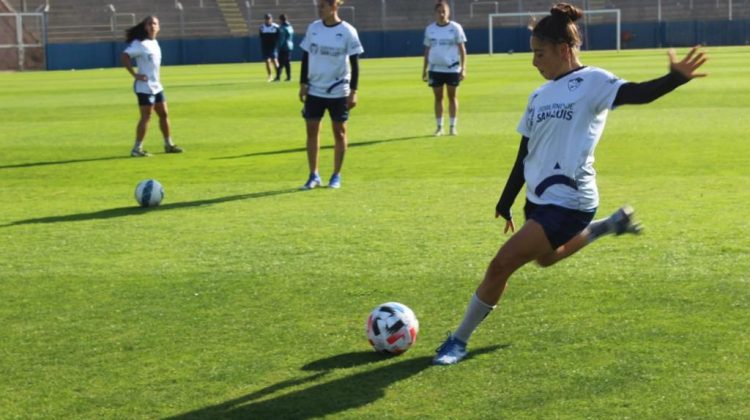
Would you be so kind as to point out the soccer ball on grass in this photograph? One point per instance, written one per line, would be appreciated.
(149, 193)
(392, 328)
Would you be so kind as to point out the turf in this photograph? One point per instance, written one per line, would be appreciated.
(243, 297)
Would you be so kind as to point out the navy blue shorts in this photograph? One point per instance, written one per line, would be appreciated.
(438, 79)
(559, 223)
(316, 106)
(145, 99)
(269, 53)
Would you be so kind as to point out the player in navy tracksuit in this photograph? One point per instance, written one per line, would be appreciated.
(286, 45)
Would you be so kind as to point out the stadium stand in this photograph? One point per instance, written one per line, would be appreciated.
(96, 20)
(216, 25)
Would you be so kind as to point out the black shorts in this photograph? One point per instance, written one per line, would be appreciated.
(560, 224)
(316, 106)
(269, 53)
(145, 99)
(438, 79)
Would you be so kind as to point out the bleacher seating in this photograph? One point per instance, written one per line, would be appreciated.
(91, 20)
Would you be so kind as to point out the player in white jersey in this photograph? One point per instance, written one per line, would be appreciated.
(328, 81)
(563, 122)
(144, 49)
(444, 63)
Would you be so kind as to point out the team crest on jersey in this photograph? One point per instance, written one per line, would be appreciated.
(574, 83)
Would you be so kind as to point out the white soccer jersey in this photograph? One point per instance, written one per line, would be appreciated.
(269, 29)
(329, 48)
(147, 55)
(443, 42)
(564, 120)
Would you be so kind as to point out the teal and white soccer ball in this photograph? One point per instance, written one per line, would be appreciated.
(149, 193)
(392, 328)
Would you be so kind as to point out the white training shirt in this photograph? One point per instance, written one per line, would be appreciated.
(443, 41)
(564, 120)
(269, 29)
(329, 48)
(147, 55)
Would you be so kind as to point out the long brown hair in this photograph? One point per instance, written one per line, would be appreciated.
(138, 31)
(560, 27)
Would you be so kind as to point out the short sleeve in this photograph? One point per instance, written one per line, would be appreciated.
(460, 35)
(305, 43)
(602, 94)
(355, 46)
(135, 49)
(527, 120)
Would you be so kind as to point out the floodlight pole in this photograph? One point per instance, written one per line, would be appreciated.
(249, 8)
(178, 6)
(658, 10)
(730, 9)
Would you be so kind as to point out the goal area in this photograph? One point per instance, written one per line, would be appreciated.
(605, 22)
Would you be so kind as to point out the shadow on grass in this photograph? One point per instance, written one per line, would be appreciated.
(132, 211)
(62, 162)
(302, 149)
(327, 398)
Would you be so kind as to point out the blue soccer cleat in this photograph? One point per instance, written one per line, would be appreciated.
(450, 352)
(312, 182)
(335, 181)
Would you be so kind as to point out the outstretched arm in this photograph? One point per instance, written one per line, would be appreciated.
(680, 72)
(512, 187)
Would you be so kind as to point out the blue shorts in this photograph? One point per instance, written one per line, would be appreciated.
(316, 106)
(560, 224)
(269, 53)
(145, 99)
(438, 79)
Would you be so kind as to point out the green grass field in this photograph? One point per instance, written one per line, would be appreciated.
(243, 297)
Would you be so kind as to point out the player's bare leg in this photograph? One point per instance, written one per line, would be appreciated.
(524, 246)
(340, 146)
(438, 93)
(453, 108)
(619, 223)
(140, 131)
(163, 113)
(313, 152)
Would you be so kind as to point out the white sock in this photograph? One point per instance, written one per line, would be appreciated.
(168, 141)
(453, 121)
(476, 312)
(439, 122)
(138, 145)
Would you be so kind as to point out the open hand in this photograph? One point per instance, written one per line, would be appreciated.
(688, 65)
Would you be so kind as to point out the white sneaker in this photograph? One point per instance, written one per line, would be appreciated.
(439, 132)
(139, 152)
(453, 131)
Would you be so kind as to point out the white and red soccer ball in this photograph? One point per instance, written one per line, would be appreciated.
(392, 328)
